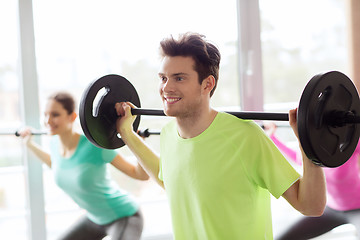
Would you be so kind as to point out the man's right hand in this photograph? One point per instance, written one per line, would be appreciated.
(124, 124)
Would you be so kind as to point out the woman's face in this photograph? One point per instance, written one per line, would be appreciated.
(57, 119)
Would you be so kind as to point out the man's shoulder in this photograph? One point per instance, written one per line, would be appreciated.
(230, 120)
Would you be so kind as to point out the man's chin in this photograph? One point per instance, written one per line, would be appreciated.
(169, 113)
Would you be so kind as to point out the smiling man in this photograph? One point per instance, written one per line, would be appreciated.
(218, 170)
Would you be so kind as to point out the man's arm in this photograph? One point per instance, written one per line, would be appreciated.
(308, 194)
(148, 159)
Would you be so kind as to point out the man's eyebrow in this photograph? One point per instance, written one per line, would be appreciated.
(174, 74)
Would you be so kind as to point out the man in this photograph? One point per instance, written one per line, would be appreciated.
(217, 169)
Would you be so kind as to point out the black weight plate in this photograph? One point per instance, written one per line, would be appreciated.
(325, 144)
(98, 118)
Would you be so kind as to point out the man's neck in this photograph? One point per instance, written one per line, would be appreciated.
(193, 126)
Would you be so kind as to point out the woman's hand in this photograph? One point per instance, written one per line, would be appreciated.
(26, 135)
(270, 128)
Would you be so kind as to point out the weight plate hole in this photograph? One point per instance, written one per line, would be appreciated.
(98, 99)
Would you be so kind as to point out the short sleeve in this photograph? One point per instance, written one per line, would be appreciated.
(108, 155)
(268, 167)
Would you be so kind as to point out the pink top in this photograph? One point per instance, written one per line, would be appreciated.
(343, 183)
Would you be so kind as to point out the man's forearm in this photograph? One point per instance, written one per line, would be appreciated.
(148, 159)
(312, 188)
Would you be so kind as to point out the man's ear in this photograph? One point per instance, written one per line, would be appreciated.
(208, 83)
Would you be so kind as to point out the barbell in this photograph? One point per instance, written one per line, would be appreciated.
(17, 134)
(326, 116)
(142, 133)
(145, 133)
(149, 132)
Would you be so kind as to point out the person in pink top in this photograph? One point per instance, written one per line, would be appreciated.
(343, 195)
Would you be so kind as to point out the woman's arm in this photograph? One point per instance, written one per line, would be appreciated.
(134, 171)
(289, 152)
(293, 155)
(35, 148)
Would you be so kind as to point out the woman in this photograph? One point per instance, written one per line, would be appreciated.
(343, 190)
(80, 170)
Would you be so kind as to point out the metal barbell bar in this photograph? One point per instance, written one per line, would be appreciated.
(17, 134)
(149, 132)
(143, 133)
(243, 115)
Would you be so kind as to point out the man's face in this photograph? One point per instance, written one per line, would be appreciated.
(179, 88)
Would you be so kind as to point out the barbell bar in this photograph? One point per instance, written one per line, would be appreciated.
(242, 115)
(327, 115)
(149, 132)
(17, 134)
(143, 133)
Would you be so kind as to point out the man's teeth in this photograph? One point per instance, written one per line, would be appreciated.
(172, 99)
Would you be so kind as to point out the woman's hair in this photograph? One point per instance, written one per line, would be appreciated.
(65, 99)
(205, 54)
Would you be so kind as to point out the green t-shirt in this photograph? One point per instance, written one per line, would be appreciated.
(218, 182)
(85, 178)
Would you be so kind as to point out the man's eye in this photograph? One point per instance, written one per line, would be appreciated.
(179, 79)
